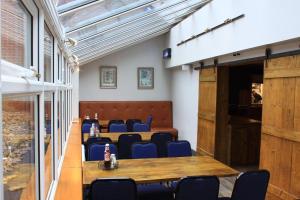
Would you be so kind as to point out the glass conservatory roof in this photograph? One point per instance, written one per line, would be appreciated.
(102, 27)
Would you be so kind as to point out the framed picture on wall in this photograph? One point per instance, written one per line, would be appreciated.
(108, 77)
(145, 78)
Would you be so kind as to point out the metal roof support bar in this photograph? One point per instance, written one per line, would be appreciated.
(74, 5)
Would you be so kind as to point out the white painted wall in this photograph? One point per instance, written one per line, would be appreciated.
(185, 103)
(265, 22)
(146, 54)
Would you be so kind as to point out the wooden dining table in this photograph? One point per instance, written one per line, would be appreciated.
(157, 169)
(146, 136)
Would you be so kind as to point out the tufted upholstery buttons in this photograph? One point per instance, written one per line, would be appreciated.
(160, 110)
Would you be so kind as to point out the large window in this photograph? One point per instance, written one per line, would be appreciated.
(19, 146)
(59, 124)
(48, 141)
(16, 33)
(48, 54)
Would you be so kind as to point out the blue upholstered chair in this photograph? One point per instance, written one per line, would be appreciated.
(86, 128)
(140, 127)
(117, 128)
(113, 189)
(195, 188)
(179, 149)
(96, 151)
(144, 150)
(161, 140)
(149, 121)
(130, 123)
(125, 142)
(250, 185)
(153, 191)
(114, 121)
(95, 140)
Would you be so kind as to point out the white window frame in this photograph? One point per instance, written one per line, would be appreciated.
(16, 79)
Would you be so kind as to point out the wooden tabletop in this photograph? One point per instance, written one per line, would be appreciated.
(158, 169)
(146, 136)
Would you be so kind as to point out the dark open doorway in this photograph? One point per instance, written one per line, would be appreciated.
(239, 115)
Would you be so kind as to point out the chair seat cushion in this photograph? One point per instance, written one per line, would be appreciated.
(154, 191)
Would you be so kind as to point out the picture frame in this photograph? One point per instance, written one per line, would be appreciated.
(108, 77)
(145, 77)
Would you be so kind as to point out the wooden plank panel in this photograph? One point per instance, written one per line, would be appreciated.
(297, 104)
(282, 133)
(207, 97)
(207, 111)
(287, 62)
(288, 103)
(276, 155)
(295, 174)
(272, 103)
(206, 140)
(281, 73)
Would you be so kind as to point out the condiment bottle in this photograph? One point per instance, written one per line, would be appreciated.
(107, 161)
(92, 130)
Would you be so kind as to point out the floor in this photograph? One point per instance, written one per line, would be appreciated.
(70, 183)
(69, 186)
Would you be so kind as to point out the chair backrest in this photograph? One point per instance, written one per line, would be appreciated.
(144, 150)
(86, 128)
(130, 123)
(114, 121)
(195, 188)
(96, 151)
(95, 140)
(179, 149)
(113, 189)
(149, 121)
(251, 185)
(125, 142)
(117, 128)
(140, 127)
(161, 140)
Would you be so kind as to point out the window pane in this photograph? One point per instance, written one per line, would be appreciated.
(16, 34)
(19, 147)
(48, 54)
(48, 142)
(59, 126)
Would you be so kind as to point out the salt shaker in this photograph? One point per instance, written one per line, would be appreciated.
(113, 160)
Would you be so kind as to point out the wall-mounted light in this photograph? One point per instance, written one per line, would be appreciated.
(75, 58)
(71, 42)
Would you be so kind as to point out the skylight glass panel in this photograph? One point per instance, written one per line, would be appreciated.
(99, 10)
(63, 2)
(104, 26)
(163, 8)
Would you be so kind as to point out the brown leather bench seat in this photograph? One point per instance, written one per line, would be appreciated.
(108, 110)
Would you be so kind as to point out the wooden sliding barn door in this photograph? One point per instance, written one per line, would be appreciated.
(280, 144)
(207, 111)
